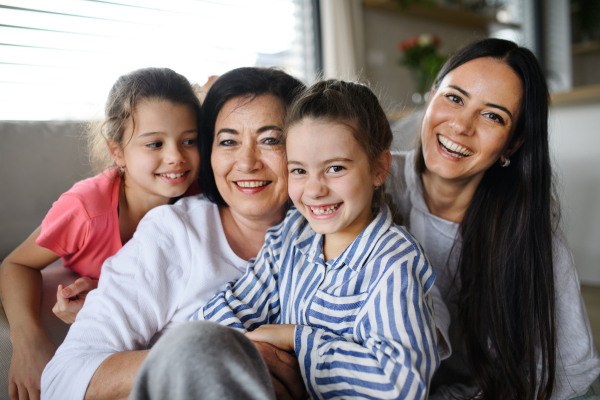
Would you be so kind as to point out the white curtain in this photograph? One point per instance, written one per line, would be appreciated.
(343, 39)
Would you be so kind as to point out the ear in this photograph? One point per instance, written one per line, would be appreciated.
(383, 165)
(514, 146)
(115, 152)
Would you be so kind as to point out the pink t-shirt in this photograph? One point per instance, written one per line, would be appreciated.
(82, 227)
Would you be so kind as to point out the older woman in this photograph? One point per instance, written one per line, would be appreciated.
(188, 251)
(477, 194)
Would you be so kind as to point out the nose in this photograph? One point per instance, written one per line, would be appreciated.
(173, 155)
(462, 124)
(315, 187)
(249, 158)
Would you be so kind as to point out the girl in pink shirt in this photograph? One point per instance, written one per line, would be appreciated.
(146, 148)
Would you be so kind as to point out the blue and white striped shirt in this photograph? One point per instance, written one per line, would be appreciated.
(365, 325)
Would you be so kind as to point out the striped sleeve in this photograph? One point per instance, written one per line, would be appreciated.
(253, 300)
(396, 352)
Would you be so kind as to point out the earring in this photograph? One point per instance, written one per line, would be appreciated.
(505, 163)
(122, 169)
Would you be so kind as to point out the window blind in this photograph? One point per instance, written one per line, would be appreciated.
(59, 58)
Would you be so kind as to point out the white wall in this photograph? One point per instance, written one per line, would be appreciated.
(575, 143)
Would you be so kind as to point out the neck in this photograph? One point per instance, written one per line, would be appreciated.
(132, 208)
(334, 244)
(247, 235)
(448, 199)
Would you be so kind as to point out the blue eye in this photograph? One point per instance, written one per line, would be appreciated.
(155, 145)
(336, 168)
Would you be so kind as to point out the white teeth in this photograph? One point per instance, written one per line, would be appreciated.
(251, 184)
(173, 176)
(454, 147)
(324, 210)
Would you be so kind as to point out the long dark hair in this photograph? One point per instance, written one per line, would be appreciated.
(248, 82)
(506, 299)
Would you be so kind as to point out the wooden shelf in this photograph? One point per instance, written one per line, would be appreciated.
(436, 13)
(582, 94)
(586, 47)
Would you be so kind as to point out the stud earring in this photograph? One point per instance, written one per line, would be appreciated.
(505, 163)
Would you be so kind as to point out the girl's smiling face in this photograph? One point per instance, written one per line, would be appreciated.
(470, 121)
(330, 179)
(160, 155)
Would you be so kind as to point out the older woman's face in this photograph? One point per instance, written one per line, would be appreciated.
(470, 121)
(248, 158)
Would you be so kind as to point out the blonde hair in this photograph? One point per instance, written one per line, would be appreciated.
(127, 92)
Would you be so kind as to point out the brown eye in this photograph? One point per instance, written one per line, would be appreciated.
(454, 98)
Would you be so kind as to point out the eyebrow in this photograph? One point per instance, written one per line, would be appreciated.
(331, 160)
(260, 130)
(464, 92)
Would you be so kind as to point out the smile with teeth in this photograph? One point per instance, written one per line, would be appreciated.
(173, 176)
(319, 210)
(453, 148)
(251, 184)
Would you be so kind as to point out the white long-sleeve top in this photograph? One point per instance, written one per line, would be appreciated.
(364, 323)
(178, 258)
(577, 359)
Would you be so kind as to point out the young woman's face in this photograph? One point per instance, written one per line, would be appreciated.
(160, 156)
(248, 159)
(470, 121)
(330, 181)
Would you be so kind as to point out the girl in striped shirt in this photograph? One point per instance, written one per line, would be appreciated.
(337, 282)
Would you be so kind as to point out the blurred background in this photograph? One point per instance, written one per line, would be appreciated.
(59, 58)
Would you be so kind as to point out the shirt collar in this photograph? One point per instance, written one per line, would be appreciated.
(310, 243)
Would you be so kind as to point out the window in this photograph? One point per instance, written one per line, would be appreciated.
(59, 58)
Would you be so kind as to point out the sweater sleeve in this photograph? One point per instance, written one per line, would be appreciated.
(138, 293)
(578, 364)
(253, 300)
(395, 355)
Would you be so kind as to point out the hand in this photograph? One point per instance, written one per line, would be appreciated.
(69, 300)
(30, 355)
(285, 372)
(279, 335)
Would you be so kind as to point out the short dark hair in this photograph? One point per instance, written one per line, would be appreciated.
(247, 82)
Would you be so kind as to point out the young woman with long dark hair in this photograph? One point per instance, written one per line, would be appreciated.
(478, 195)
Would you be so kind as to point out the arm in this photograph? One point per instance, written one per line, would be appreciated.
(138, 294)
(115, 376)
(251, 301)
(21, 287)
(393, 351)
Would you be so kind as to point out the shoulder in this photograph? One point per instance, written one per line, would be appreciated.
(397, 250)
(195, 213)
(293, 225)
(94, 194)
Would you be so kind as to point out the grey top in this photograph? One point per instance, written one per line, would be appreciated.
(578, 364)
